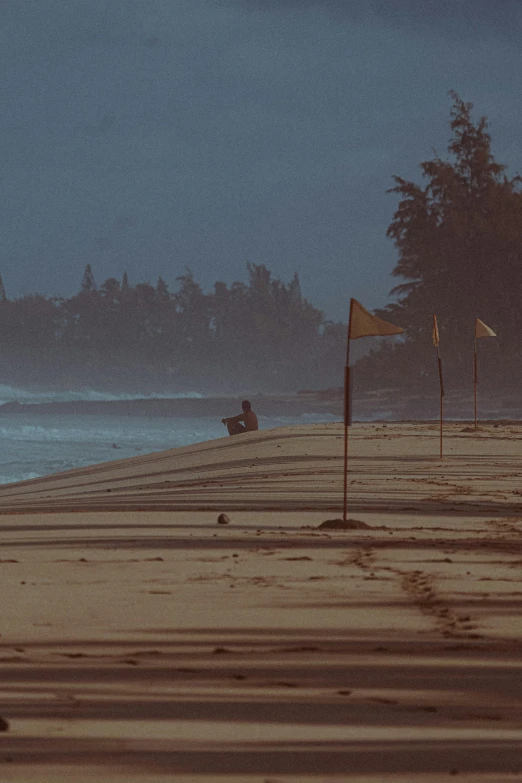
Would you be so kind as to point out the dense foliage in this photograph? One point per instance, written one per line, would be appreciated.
(459, 239)
(259, 336)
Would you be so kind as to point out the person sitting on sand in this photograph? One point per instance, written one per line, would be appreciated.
(249, 418)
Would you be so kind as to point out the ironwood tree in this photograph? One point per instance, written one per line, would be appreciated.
(459, 240)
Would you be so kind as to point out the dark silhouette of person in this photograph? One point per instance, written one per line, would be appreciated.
(249, 418)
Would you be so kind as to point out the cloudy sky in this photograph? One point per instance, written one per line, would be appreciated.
(151, 135)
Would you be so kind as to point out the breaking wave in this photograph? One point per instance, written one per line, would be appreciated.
(27, 396)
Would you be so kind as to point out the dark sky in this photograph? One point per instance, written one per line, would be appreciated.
(150, 135)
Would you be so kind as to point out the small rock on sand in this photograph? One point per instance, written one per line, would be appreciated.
(343, 524)
(4, 725)
(223, 519)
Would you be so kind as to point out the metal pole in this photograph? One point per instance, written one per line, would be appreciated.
(346, 416)
(346, 423)
(441, 419)
(475, 381)
(441, 383)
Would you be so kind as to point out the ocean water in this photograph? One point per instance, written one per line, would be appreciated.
(33, 445)
(12, 394)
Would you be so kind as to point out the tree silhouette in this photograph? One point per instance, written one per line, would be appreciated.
(262, 336)
(88, 282)
(459, 239)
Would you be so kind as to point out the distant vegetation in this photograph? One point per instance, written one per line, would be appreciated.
(260, 336)
(459, 243)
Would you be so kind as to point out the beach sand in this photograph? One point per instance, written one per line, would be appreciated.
(142, 641)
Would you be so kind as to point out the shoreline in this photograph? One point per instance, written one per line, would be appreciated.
(390, 407)
(142, 640)
(183, 407)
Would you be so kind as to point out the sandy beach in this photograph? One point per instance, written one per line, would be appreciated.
(142, 641)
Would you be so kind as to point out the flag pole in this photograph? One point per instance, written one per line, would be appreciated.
(481, 330)
(347, 403)
(361, 323)
(475, 381)
(441, 383)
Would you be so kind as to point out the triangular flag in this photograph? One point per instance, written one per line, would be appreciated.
(481, 330)
(435, 332)
(364, 324)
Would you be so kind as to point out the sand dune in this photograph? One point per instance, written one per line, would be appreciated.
(142, 641)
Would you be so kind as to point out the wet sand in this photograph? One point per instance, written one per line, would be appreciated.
(142, 641)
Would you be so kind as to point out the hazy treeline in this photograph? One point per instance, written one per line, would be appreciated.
(262, 335)
(459, 239)
(459, 243)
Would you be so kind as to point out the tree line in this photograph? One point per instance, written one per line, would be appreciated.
(459, 242)
(262, 335)
(458, 236)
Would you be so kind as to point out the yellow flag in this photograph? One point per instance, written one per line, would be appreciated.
(481, 330)
(364, 324)
(435, 333)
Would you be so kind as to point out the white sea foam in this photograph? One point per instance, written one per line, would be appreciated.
(22, 477)
(37, 444)
(40, 444)
(14, 394)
